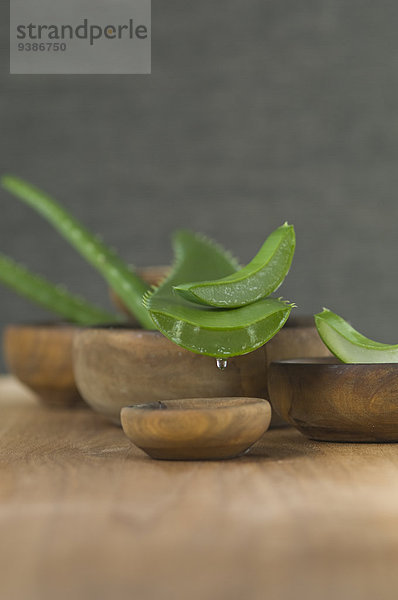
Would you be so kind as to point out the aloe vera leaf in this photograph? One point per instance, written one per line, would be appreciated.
(120, 277)
(221, 333)
(54, 298)
(348, 344)
(196, 256)
(204, 330)
(262, 276)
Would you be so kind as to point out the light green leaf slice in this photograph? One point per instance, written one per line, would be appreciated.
(221, 333)
(348, 344)
(262, 276)
(214, 332)
(54, 298)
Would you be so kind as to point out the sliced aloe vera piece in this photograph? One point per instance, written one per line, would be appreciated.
(262, 276)
(221, 333)
(215, 332)
(348, 344)
(54, 298)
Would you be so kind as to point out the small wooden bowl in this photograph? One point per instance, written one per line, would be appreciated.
(116, 367)
(196, 429)
(40, 356)
(330, 401)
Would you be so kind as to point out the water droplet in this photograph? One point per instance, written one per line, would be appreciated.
(221, 363)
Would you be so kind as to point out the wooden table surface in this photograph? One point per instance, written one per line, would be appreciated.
(83, 514)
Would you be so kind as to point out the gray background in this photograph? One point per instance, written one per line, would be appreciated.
(256, 112)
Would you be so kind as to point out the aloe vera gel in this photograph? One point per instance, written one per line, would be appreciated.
(350, 346)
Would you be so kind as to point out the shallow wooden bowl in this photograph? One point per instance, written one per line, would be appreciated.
(116, 367)
(331, 401)
(194, 429)
(40, 356)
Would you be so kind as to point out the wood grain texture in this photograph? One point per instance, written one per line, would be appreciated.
(196, 428)
(332, 401)
(85, 515)
(116, 368)
(40, 356)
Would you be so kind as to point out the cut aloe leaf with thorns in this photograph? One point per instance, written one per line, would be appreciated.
(120, 277)
(221, 333)
(205, 330)
(54, 298)
(262, 276)
(348, 344)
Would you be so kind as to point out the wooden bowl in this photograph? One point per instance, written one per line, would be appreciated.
(330, 401)
(40, 356)
(194, 429)
(117, 367)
